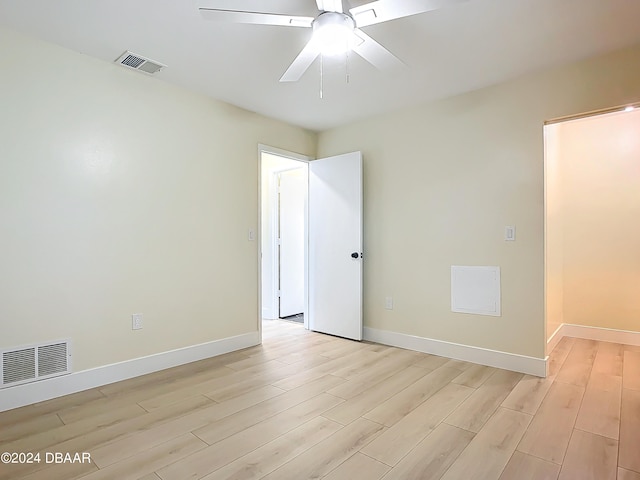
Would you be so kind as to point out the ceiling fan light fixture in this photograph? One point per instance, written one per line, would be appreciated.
(333, 33)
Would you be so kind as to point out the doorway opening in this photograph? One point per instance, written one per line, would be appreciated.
(592, 200)
(331, 282)
(283, 235)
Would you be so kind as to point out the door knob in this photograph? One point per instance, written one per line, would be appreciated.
(354, 255)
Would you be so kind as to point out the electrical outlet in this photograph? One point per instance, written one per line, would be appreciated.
(136, 321)
(388, 303)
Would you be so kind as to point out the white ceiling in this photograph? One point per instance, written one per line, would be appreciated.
(456, 49)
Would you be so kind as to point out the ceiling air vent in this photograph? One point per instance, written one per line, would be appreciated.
(138, 62)
(34, 362)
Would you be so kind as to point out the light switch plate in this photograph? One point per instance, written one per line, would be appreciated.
(510, 233)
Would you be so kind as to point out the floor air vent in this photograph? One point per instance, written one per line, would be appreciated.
(138, 62)
(35, 362)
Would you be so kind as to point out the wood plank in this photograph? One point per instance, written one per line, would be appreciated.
(322, 458)
(359, 466)
(309, 375)
(559, 355)
(252, 361)
(133, 444)
(526, 467)
(276, 453)
(87, 442)
(401, 438)
(231, 391)
(219, 389)
(390, 365)
(629, 457)
(474, 376)
(59, 472)
(490, 450)
(432, 362)
(458, 364)
(102, 419)
(320, 348)
(528, 394)
(162, 395)
(433, 456)
(631, 375)
(366, 360)
(548, 435)
(391, 410)
(600, 410)
(29, 426)
(627, 475)
(175, 376)
(590, 457)
(362, 403)
(49, 406)
(344, 348)
(237, 422)
(283, 421)
(302, 359)
(235, 446)
(151, 460)
(577, 367)
(609, 359)
(478, 408)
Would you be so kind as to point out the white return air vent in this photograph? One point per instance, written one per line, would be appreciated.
(138, 62)
(34, 362)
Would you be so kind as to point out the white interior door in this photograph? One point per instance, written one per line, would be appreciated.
(335, 245)
(291, 239)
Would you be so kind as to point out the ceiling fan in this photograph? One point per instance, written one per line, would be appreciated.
(334, 30)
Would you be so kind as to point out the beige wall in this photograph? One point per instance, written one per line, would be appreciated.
(122, 194)
(441, 182)
(599, 165)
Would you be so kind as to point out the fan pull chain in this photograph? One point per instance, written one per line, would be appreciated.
(346, 66)
(321, 74)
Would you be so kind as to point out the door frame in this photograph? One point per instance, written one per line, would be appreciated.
(300, 158)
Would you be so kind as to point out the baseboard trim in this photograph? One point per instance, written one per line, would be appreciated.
(483, 356)
(21, 395)
(555, 338)
(601, 334)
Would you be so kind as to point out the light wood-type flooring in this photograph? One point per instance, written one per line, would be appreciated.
(305, 405)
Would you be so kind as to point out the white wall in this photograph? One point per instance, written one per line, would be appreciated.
(442, 180)
(597, 210)
(122, 194)
(291, 221)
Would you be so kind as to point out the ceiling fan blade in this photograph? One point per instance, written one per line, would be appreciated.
(330, 5)
(374, 53)
(385, 10)
(303, 61)
(236, 16)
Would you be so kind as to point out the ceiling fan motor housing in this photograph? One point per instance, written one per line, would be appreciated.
(333, 32)
(340, 20)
